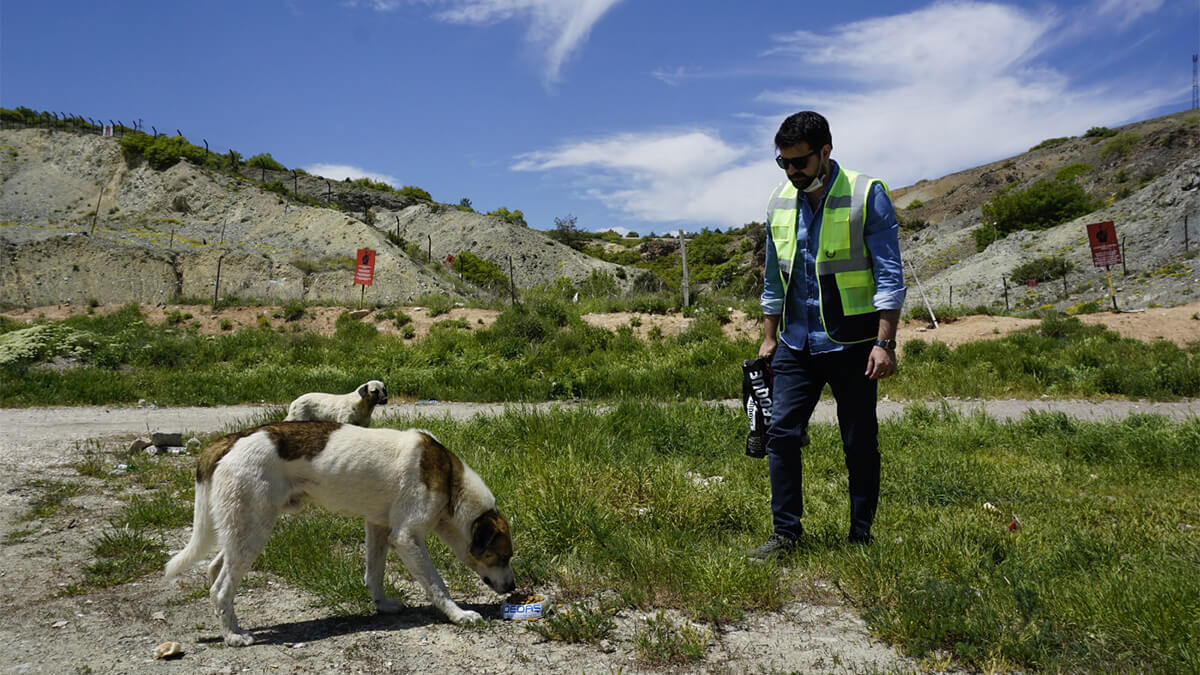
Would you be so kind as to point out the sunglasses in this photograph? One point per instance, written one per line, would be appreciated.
(798, 162)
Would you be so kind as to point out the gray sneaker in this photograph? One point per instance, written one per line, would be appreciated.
(776, 544)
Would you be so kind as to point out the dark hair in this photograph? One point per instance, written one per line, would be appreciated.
(805, 126)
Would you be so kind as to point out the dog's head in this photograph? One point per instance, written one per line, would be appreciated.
(491, 551)
(374, 391)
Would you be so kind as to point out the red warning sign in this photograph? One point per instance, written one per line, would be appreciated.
(364, 267)
(1106, 250)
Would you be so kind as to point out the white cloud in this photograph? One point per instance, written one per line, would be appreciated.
(910, 96)
(344, 171)
(557, 28)
(679, 176)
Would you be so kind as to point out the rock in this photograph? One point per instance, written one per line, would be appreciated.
(168, 650)
(165, 439)
(358, 313)
(139, 444)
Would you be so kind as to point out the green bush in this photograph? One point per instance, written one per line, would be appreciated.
(1046, 203)
(514, 217)
(1120, 146)
(914, 204)
(1041, 269)
(374, 185)
(598, 284)
(1050, 143)
(264, 160)
(414, 192)
(161, 152)
(1099, 132)
(478, 271)
(1070, 171)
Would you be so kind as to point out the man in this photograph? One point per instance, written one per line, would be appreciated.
(831, 301)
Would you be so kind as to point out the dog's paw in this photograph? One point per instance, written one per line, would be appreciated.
(239, 639)
(389, 606)
(465, 616)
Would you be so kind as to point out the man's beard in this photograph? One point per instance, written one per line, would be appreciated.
(813, 183)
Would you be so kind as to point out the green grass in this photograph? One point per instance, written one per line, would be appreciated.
(605, 504)
(542, 351)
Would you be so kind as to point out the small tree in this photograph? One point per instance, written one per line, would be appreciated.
(510, 217)
(566, 232)
(264, 160)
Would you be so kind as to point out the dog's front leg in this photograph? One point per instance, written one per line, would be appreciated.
(377, 547)
(416, 558)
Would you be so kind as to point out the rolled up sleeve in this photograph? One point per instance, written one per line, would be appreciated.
(882, 235)
(773, 291)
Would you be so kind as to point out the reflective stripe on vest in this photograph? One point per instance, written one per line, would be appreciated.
(842, 254)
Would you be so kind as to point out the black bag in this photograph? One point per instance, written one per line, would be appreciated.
(756, 401)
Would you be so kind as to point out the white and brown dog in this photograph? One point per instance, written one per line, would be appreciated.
(404, 484)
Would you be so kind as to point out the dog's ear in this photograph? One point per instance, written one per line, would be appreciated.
(482, 532)
(363, 391)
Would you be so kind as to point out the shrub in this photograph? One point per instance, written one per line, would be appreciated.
(161, 152)
(1042, 205)
(914, 204)
(1099, 132)
(598, 284)
(514, 217)
(478, 271)
(264, 160)
(1070, 171)
(414, 192)
(1050, 143)
(1120, 146)
(374, 185)
(1042, 269)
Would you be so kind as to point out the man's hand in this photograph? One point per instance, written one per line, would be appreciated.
(880, 364)
(768, 346)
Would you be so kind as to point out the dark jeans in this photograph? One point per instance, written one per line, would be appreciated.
(799, 378)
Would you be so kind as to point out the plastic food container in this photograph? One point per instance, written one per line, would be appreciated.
(524, 607)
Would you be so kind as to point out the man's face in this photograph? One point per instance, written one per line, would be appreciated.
(803, 164)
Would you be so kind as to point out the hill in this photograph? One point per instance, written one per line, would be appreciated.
(1145, 177)
(82, 221)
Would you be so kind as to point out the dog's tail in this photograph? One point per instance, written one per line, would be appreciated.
(203, 535)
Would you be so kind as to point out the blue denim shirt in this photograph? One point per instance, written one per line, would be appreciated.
(802, 322)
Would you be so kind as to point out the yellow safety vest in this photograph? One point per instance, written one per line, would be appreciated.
(846, 285)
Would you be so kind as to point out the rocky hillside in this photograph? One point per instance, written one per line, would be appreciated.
(79, 223)
(1146, 175)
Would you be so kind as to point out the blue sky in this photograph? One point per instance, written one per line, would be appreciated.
(647, 115)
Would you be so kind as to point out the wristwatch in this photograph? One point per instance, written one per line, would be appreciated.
(889, 345)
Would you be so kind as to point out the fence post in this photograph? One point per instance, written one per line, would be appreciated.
(512, 287)
(1125, 270)
(1185, 233)
(1004, 282)
(1064, 270)
(950, 304)
(683, 255)
(429, 249)
(217, 283)
(96, 213)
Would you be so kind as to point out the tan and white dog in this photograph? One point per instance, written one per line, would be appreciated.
(404, 484)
